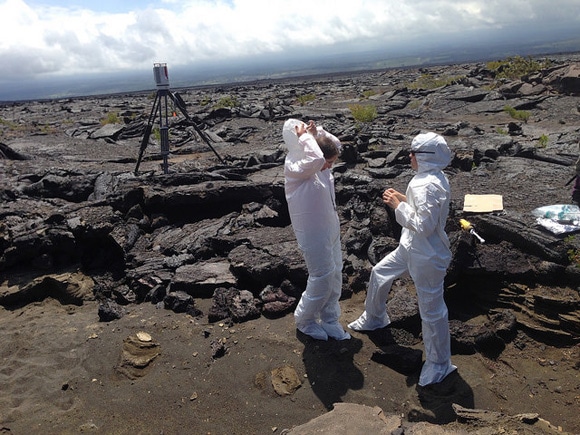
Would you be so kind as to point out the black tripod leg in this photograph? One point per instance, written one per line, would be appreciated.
(176, 98)
(147, 133)
(144, 143)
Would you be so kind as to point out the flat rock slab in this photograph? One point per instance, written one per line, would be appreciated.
(351, 419)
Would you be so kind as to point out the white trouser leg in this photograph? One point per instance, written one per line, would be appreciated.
(307, 313)
(331, 310)
(382, 276)
(330, 313)
(321, 265)
(313, 299)
(428, 278)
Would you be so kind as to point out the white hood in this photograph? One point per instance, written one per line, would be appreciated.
(290, 137)
(439, 155)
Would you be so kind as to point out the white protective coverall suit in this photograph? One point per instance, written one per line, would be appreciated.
(311, 204)
(423, 253)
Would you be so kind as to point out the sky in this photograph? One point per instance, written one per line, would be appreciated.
(48, 38)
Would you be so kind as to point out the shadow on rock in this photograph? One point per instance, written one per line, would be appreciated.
(437, 400)
(330, 367)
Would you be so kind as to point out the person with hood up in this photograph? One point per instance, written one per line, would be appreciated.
(309, 190)
(423, 253)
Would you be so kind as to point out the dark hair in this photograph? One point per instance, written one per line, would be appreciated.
(328, 147)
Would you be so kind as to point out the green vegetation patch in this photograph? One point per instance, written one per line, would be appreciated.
(111, 118)
(521, 115)
(226, 102)
(303, 99)
(204, 101)
(368, 93)
(10, 124)
(574, 251)
(363, 113)
(543, 141)
(429, 81)
(516, 67)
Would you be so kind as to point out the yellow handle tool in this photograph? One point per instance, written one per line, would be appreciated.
(466, 226)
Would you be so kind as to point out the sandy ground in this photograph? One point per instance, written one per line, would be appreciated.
(60, 373)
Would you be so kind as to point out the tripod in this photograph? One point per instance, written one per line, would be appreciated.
(160, 108)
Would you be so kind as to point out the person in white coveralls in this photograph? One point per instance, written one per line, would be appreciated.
(309, 189)
(423, 253)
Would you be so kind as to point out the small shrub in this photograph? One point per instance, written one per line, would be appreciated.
(156, 134)
(46, 129)
(303, 99)
(111, 118)
(205, 101)
(414, 104)
(363, 113)
(501, 130)
(226, 102)
(574, 257)
(522, 115)
(573, 252)
(428, 81)
(543, 141)
(369, 93)
(10, 124)
(516, 67)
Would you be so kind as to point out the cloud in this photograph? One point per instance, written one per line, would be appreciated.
(58, 40)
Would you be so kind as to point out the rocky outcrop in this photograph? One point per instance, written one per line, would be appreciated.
(221, 229)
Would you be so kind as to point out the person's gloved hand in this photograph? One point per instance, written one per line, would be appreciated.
(311, 128)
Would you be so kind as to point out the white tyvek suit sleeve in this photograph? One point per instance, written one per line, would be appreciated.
(298, 168)
(424, 214)
(311, 205)
(310, 193)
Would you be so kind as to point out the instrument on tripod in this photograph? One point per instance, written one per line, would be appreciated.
(160, 109)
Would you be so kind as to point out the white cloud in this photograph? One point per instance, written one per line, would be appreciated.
(59, 40)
